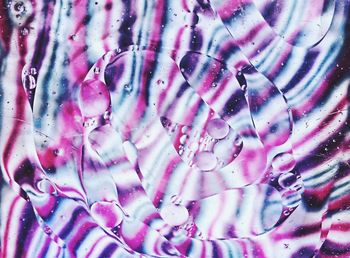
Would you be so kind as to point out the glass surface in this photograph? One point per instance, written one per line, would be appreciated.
(182, 128)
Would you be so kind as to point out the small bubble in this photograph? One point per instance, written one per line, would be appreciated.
(24, 31)
(183, 139)
(107, 115)
(19, 7)
(59, 152)
(286, 212)
(184, 129)
(97, 70)
(127, 88)
(47, 230)
(33, 71)
(20, 11)
(159, 81)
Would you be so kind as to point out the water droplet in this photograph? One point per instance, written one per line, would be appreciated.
(107, 115)
(130, 151)
(183, 139)
(286, 180)
(226, 151)
(238, 141)
(206, 160)
(159, 82)
(19, 7)
(286, 212)
(218, 128)
(175, 199)
(47, 229)
(45, 186)
(127, 88)
(291, 198)
(283, 162)
(94, 98)
(32, 71)
(59, 152)
(20, 11)
(107, 214)
(184, 129)
(174, 215)
(30, 82)
(97, 70)
(28, 79)
(24, 31)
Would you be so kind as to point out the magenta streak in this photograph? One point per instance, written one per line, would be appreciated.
(228, 8)
(166, 175)
(7, 227)
(44, 246)
(341, 105)
(177, 44)
(107, 26)
(19, 114)
(218, 212)
(162, 96)
(80, 234)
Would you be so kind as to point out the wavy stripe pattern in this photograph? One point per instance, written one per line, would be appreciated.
(137, 128)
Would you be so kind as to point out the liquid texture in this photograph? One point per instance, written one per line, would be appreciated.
(180, 128)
